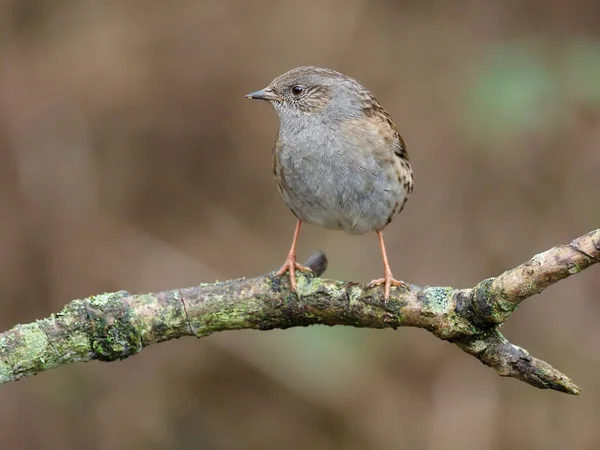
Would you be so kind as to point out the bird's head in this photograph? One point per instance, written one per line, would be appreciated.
(314, 91)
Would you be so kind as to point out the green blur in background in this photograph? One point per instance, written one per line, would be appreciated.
(129, 159)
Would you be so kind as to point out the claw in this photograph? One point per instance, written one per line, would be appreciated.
(290, 265)
(388, 281)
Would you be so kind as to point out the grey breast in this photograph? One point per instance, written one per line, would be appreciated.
(333, 182)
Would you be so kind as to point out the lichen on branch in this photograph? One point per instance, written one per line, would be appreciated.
(117, 325)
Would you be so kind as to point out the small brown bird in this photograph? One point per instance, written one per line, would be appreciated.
(338, 160)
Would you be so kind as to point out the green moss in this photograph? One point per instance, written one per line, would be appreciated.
(113, 333)
(5, 373)
(304, 284)
(236, 316)
(115, 340)
(438, 298)
(491, 305)
(171, 317)
(106, 299)
(354, 293)
(32, 343)
(26, 349)
(76, 347)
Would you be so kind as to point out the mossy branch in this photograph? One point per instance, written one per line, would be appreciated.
(114, 326)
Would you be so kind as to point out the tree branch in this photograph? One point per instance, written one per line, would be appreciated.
(117, 325)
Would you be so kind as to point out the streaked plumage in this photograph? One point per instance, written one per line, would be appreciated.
(338, 160)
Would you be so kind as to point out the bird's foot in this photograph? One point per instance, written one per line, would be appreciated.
(290, 265)
(388, 281)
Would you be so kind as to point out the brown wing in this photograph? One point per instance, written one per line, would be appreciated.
(373, 109)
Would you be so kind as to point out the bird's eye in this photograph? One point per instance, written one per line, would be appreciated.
(297, 90)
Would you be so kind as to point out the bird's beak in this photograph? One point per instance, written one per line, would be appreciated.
(263, 94)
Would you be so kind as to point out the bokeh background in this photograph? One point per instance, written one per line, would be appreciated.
(129, 159)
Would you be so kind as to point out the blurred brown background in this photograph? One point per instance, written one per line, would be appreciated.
(129, 159)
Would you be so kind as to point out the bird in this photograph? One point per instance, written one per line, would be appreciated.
(338, 159)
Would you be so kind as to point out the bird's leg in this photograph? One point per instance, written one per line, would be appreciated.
(388, 279)
(290, 265)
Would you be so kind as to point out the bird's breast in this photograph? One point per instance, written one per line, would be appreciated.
(327, 180)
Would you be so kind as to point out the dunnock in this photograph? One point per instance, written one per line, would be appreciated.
(338, 160)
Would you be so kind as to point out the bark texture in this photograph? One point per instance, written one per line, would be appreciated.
(117, 325)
